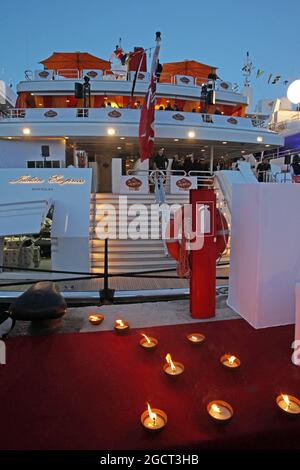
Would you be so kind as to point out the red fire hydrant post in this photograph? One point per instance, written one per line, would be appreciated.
(203, 257)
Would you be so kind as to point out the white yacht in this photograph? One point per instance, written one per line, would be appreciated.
(56, 123)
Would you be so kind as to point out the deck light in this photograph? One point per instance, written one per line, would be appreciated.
(26, 131)
(293, 92)
(224, 143)
(259, 138)
(176, 140)
(191, 134)
(122, 138)
(111, 131)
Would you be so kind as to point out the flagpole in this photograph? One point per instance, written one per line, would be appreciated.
(156, 52)
(146, 126)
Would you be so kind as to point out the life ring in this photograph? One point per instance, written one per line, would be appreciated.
(222, 235)
(157, 174)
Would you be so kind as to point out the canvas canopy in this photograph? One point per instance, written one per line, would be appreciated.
(75, 60)
(191, 68)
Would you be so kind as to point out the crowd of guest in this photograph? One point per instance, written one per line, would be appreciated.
(167, 107)
(188, 163)
(180, 163)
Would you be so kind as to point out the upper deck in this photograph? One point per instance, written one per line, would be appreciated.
(181, 87)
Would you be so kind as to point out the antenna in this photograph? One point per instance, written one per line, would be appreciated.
(247, 69)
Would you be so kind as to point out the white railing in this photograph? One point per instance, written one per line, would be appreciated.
(114, 74)
(282, 125)
(204, 178)
(62, 74)
(127, 115)
(14, 113)
(277, 153)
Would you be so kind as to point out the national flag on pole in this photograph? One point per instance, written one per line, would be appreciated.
(146, 127)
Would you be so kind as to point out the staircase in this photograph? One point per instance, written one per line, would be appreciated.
(130, 255)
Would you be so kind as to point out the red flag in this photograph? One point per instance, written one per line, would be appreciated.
(146, 128)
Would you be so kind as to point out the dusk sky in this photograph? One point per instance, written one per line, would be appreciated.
(217, 32)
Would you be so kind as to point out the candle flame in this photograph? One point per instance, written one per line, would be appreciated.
(153, 416)
(286, 399)
(170, 362)
(231, 360)
(194, 338)
(120, 322)
(146, 338)
(215, 408)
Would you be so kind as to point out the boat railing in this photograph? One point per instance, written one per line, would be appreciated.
(62, 74)
(204, 178)
(164, 115)
(14, 113)
(282, 125)
(152, 174)
(265, 176)
(286, 155)
(115, 74)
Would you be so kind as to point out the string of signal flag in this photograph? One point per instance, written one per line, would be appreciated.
(272, 79)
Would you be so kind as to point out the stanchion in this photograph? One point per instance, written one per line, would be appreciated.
(106, 294)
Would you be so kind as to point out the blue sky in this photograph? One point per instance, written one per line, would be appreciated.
(217, 32)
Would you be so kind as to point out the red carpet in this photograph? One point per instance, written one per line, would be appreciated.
(87, 391)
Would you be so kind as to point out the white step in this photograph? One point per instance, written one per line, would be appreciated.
(125, 243)
(130, 270)
(136, 264)
(128, 256)
(95, 249)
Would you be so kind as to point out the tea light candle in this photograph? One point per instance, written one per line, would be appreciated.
(196, 338)
(147, 342)
(173, 368)
(288, 404)
(229, 361)
(96, 318)
(220, 410)
(153, 419)
(121, 326)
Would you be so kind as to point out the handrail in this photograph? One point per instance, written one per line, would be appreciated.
(282, 153)
(128, 75)
(281, 125)
(148, 172)
(204, 178)
(65, 72)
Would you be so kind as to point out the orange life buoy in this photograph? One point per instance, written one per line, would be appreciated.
(222, 235)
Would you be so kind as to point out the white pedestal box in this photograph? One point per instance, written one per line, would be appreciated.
(265, 252)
